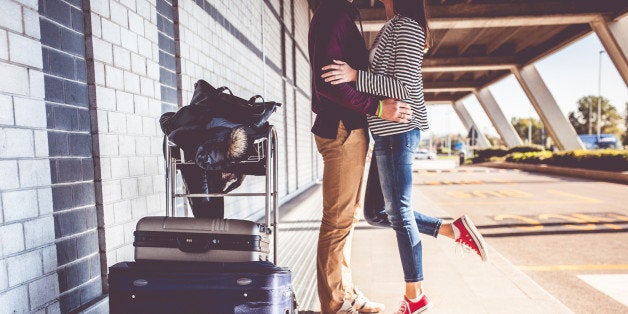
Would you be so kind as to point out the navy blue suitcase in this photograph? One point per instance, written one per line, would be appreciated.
(166, 287)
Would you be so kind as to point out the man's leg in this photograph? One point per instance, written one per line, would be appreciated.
(344, 159)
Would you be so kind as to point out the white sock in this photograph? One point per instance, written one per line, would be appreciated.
(416, 299)
(456, 231)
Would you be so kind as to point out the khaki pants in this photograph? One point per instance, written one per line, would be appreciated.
(344, 159)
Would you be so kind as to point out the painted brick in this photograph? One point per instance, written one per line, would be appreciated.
(24, 267)
(103, 51)
(110, 32)
(44, 196)
(99, 73)
(138, 64)
(136, 23)
(119, 167)
(131, 82)
(124, 101)
(122, 211)
(114, 236)
(31, 23)
(117, 122)
(6, 110)
(149, 126)
(127, 145)
(11, 238)
(152, 69)
(141, 106)
(145, 185)
(129, 188)
(138, 207)
(49, 255)
(106, 99)
(136, 166)
(114, 77)
(41, 143)
(4, 279)
(134, 126)
(43, 290)
(142, 146)
(129, 40)
(101, 8)
(15, 300)
(10, 10)
(15, 143)
(36, 80)
(15, 78)
(34, 173)
(119, 14)
(10, 178)
(39, 232)
(4, 45)
(121, 58)
(29, 112)
(111, 191)
(19, 205)
(145, 47)
(108, 145)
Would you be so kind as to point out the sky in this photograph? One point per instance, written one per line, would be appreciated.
(570, 74)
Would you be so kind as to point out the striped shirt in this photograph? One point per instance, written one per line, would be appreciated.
(395, 72)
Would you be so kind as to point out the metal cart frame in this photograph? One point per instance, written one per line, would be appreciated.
(271, 179)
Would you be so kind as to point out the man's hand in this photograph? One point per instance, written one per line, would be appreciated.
(396, 111)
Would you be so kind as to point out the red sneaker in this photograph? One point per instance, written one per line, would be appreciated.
(409, 307)
(468, 236)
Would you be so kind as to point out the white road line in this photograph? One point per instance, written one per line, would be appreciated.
(614, 286)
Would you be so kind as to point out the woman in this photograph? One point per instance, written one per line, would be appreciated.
(395, 71)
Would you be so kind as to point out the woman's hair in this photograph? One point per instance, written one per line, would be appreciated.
(416, 10)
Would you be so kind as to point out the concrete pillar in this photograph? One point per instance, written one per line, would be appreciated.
(468, 122)
(497, 117)
(614, 38)
(559, 128)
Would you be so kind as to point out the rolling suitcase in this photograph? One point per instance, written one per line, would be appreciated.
(217, 288)
(200, 240)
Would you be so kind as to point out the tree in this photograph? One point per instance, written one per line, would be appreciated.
(609, 118)
(521, 125)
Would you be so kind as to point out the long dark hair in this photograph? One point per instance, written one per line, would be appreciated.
(416, 10)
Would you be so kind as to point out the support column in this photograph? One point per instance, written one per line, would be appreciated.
(610, 34)
(469, 123)
(559, 128)
(497, 117)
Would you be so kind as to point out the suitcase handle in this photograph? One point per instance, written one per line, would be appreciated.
(193, 244)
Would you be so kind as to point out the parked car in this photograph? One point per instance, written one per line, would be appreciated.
(422, 154)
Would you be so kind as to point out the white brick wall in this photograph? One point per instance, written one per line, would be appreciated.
(26, 223)
(128, 100)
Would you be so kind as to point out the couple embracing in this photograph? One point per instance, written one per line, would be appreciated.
(355, 90)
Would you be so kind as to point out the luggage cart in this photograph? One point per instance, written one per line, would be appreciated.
(266, 155)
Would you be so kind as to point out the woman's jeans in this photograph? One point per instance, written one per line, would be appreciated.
(392, 157)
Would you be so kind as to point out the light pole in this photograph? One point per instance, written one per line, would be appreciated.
(599, 98)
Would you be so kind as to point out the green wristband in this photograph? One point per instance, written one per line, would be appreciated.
(381, 107)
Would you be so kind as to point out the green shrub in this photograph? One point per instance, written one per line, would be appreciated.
(482, 155)
(526, 149)
(529, 157)
(609, 159)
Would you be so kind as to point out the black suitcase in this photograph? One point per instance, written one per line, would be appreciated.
(166, 287)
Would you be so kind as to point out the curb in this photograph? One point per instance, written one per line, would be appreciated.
(609, 176)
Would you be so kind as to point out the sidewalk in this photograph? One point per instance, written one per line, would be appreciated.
(455, 283)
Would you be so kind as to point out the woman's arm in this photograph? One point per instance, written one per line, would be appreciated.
(407, 56)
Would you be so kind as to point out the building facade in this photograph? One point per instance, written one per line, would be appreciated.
(83, 84)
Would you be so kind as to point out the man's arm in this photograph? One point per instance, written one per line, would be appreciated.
(345, 94)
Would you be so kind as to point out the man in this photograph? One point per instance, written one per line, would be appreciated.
(340, 131)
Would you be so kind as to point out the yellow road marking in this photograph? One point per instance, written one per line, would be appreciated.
(584, 198)
(537, 224)
(574, 267)
(590, 218)
(568, 218)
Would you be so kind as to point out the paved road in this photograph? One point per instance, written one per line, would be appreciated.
(569, 235)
